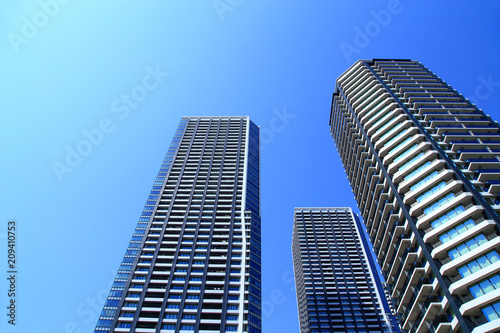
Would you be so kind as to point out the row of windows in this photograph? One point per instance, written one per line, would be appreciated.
(417, 171)
(455, 232)
(333, 230)
(381, 111)
(324, 219)
(411, 162)
(186, 306)
(392, 130)
(492, 312)
(447, 216)
(381, 129)
(406, 153)
(438, 203)
(485, 286)
(467, 246)
(479, 263)
(433, 190)
(400, 145)
(384, 118)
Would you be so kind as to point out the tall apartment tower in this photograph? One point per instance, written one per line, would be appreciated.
(193, 263)
(338, 287)
(424, 167)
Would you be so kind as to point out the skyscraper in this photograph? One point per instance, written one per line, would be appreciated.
(424, 167)
(338, 287)
(193, 263)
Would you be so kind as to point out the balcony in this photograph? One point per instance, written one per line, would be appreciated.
(403, 273)
(450, 268)
(453, 187)
(414, 284)
(404, 244)
(490, 327)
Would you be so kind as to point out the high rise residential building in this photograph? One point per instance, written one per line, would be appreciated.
(424, 167)
(337, 283)
(193, 263)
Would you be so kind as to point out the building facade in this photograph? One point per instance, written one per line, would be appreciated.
(424, 167)
(193, 263)
(338, 287)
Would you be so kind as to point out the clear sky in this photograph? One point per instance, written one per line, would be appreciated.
(124, 73)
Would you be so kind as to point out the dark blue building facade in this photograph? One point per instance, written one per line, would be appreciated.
(193, 263)
(338, 287)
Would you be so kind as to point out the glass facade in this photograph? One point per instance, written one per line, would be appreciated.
(338, 287)
(193, 263)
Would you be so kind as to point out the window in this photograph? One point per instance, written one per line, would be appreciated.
(168, 327)
(439, 203)
(431, 191)
(485, 286)
(392, 130)
(411, 162)
(450, 234)
(418, 170)
(119, 284)
(136, 286)
(170, 316)
(381, 129)
(373, 108)
(467, 246)
(477, 264)
(492, 312)
(399, 145)
(447, 216)
(231, 328)
(406, 152)
(130, 305)
(383, 118)
(172, 306)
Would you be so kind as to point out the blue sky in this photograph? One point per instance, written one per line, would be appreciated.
(74, 69)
